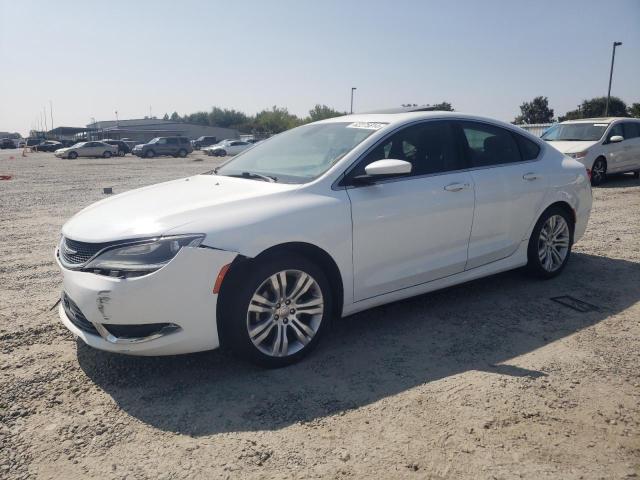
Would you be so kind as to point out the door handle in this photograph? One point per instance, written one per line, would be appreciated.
(531, 176)
(456, 187)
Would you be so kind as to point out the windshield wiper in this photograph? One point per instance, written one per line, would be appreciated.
(266, 178)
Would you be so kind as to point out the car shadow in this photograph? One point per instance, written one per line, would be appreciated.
(617, 180)
(369, 356)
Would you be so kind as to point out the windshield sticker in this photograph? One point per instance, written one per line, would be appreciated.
(368, 125)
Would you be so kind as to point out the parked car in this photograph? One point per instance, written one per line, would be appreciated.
(48, 146)
(602, 145)
(7, 143)
(201, 142)
(232, 147)
(87, 149)
(32, 142)
(174, 146)
(323, 220)
(123, 148)
(131, 143)
(20, 142)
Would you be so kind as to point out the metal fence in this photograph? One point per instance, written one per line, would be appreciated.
(536, 129)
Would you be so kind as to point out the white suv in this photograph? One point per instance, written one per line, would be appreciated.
(603, 145)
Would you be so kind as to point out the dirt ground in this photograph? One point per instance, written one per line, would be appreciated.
(490, 379)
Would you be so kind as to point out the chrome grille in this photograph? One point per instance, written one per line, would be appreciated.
(73, 252)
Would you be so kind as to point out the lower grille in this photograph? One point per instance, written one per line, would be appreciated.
(139, 331)
(76, 316)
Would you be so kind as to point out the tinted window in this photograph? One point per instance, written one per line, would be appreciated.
(528, 150)
(489, 145)
(183, 140)
(429, 147)
(172, 141)
(631, 129)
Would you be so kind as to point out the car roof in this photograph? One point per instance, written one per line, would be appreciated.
(398, 119)
(598, 120)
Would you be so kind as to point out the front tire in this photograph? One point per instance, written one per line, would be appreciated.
(73, 155)
(106, 154)
(221, 153)
(550, 243)
(274, 312)
(150, 154)
(598, 171)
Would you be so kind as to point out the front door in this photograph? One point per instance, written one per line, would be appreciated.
(412, 229)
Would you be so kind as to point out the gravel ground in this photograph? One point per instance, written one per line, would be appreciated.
(490, 379)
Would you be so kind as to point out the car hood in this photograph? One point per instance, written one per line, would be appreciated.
(572, 147)
(157, 209)
(63, 149)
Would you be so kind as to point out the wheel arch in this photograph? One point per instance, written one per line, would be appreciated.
(314, 253)
(564, 206)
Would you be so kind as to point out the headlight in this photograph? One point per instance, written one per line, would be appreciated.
(578, 155)
(143, 257)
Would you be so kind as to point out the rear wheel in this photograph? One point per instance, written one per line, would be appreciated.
(150, 154)
(182, 153)
(636, 174)
(550, 243)
(599, 171)
(121, 153)
(276, 313)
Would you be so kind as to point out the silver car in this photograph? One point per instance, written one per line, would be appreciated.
(87, 149)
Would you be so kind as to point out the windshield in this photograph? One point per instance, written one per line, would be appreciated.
(575, 132)
(79, 144)
(301, 154)
(154, 140)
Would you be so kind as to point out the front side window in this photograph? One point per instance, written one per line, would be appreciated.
(430, 147)
(490, 145)
(575, 132)
(615, 131)
(301, 154)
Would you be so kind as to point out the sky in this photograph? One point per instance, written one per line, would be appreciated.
(92, 58)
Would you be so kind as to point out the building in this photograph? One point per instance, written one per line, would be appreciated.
(145, 129)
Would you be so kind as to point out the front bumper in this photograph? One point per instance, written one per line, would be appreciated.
(179, 294)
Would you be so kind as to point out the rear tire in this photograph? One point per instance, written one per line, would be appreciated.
(121, 153)
(182, 153)
(550, 243)
(636, 174)
(282, 332)
(598, 171)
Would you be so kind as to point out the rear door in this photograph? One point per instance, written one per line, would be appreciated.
(510, 185)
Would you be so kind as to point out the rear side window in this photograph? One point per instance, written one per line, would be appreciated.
(490, 145)
(172, 141)
(528, 150)
(183, 140)
(631, 129)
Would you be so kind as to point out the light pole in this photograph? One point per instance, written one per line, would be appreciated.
(613, 57)
(352, 90)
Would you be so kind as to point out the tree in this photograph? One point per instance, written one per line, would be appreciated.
(595, 107)
(443, 107)
(199, 118)
(165, 117)
(634, 110)
(321, 112)
(275, 120)
(175, 117)
(536, 111)
(226, 118)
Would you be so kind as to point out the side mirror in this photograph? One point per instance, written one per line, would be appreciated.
(383, 169)
(616, 139)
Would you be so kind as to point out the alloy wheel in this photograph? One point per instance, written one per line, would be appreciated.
(598, 171)
(285, 313)
(553, 243)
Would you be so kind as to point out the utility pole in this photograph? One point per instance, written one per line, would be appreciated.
(352, 90)
(613, 57)
(44, 115)
(51, 112)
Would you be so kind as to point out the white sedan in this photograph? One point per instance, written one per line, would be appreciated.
(227, 147)
(319, 222)
(87, 149)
